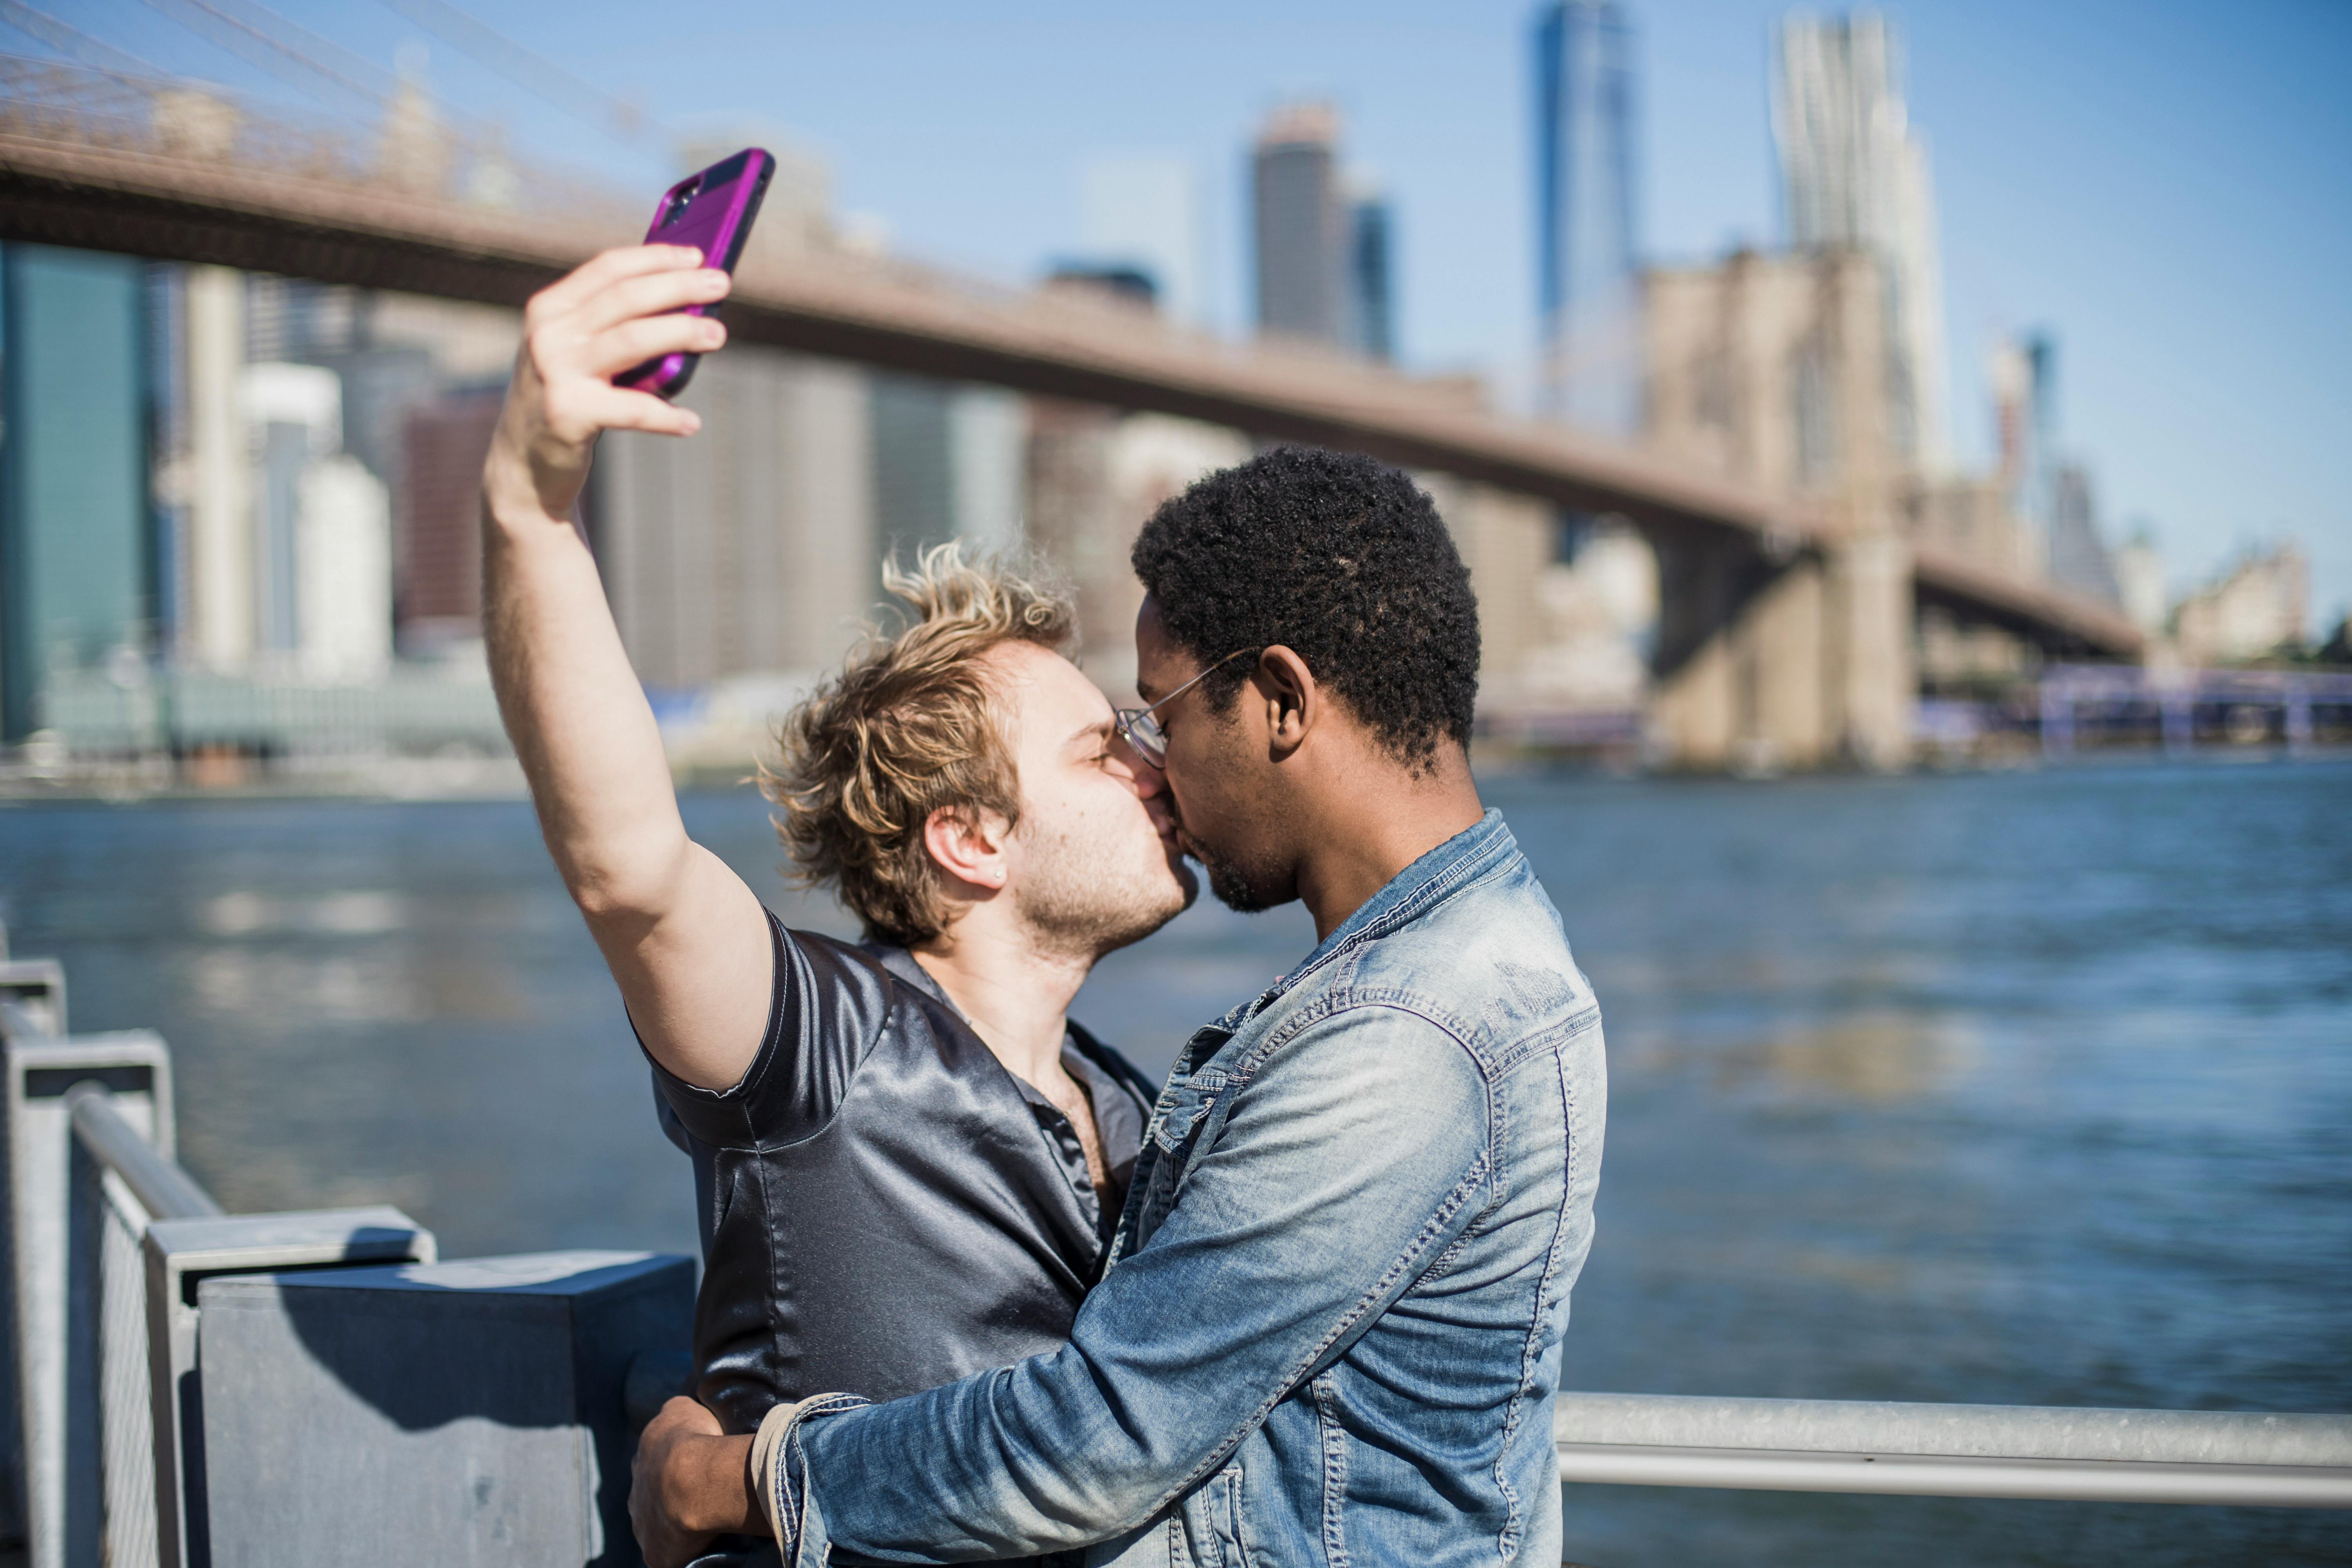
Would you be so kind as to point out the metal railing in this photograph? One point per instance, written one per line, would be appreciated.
(1957, 1450)
(108, 1236)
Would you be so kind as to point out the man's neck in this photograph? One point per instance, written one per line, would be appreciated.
(1375, 821)
(1016, 997)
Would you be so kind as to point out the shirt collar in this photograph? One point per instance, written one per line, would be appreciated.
(1407, 895)
(1115, 1106)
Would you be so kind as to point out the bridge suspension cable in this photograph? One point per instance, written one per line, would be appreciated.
(534, 73)
(68, 39)
(281, 46)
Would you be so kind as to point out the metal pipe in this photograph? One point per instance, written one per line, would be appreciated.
(165, 1190)
(1957, 1450)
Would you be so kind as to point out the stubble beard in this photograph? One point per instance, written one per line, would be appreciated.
(1238, 886)
(1083, 903)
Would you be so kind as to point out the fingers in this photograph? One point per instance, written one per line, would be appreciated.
(620, 408)
(633, 342)
(609, 267)
(646, 294)
(586, 408)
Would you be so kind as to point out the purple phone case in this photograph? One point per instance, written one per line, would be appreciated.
(711, 211)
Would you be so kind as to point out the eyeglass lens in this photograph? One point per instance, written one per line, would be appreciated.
(1143, 732)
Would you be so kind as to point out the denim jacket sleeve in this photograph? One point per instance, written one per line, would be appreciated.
(1349, 1157)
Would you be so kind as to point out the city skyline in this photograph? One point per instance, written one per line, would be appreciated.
(2060, 163)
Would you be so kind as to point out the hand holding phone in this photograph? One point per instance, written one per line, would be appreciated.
(711, 211)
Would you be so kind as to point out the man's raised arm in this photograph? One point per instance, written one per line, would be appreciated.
(685, 937)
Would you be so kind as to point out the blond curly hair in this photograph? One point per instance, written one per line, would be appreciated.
(909, 726)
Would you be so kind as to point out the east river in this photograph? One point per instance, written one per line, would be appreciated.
(2008, 1089)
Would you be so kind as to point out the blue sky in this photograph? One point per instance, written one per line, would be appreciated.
(2168, 186)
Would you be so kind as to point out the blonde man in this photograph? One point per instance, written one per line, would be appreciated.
(909, 1160)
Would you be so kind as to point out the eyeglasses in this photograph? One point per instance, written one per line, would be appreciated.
(1144, 732)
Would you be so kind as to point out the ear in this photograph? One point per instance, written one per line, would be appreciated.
(969, 847)
(1294, 704)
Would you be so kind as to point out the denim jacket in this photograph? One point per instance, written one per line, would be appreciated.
(1331, 1332)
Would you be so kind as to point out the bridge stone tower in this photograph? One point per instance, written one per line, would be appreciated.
(1773, 369)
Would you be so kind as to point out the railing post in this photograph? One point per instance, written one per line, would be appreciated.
(466, 1412)
(182, 1253)
(55, 1336)
(32, 1006)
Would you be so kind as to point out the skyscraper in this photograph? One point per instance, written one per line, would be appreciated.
(1325, 245)
(1371, 293)
(1854, 173)
(2078, 556)
(1588, 292)
(1301, 227)
(74, 500)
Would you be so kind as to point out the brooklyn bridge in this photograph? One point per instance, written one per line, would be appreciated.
(1786, 619)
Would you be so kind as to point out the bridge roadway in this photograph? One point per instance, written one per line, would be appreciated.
(111, 194)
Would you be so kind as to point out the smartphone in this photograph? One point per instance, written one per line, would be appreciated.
(711, 211)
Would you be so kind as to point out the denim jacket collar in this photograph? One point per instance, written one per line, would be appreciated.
(1405, 897)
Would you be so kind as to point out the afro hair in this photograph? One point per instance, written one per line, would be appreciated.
(1340, 559)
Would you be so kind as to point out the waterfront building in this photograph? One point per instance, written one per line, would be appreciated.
(76, 568)
(1142, 214)
(750, 547)
(165, 306)
(438, 570)
(946, 464)
(1586, 267)
(1854, 173)
(2256, 607)
(321, 531)
(1094, 474)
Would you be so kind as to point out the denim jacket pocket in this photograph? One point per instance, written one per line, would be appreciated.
(1183, 1108)
(1176, 1128)
(1213, 1521)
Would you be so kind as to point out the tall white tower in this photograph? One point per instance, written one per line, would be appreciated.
(1853, 173)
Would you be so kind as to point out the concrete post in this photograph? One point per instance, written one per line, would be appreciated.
(181, 1252)
(469, 1411)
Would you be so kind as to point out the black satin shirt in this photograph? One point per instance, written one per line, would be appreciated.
(884, 1207)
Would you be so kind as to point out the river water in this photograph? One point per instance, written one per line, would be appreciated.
(2027, 1088)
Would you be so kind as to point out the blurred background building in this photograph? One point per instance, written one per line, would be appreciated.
(1853, 175)
(1589, 301)
(1322, 242)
